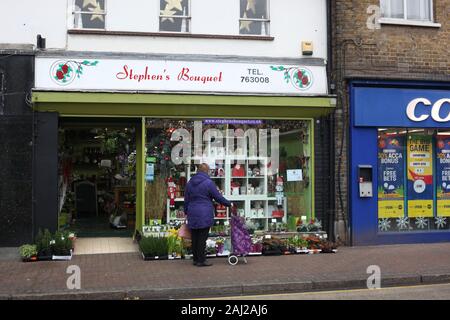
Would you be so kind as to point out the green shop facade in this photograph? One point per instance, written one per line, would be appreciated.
(146, 100)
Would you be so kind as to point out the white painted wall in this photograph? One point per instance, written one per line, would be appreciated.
(292, 21)
(22, 20)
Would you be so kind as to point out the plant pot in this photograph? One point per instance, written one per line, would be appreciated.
(151, 258)
(45, 258)
(30, 259)
(62, 257)
(271, 252)
(329, 251)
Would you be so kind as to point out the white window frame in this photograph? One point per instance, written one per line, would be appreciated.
(410, 22)
(188, 19)
(73, 12)
(267, 21)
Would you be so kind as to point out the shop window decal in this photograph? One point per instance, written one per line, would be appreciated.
(174, 16)
(89, 14)
(254, 17)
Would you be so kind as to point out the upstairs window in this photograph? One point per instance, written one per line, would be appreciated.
(174, 16)
(254, 17)
(89, 14)
(415, 10)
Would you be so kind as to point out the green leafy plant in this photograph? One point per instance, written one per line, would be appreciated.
(62, 244)
(27, 251)
(43, 243)
(298, 242)
(174, 245)
(154, 246)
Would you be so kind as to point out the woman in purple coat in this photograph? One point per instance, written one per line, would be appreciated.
(198, 205)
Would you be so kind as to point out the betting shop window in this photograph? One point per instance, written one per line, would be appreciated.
(254, 17)
(416, 10)
(413, 180)
(89, 14)
(174, 16)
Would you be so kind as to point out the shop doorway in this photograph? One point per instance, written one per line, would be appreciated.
(97, 177)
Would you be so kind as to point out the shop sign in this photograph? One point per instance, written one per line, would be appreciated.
(435, 110)
(178, 76)
(401, 107)
(443, 175)
(420, 176)
(391, 190)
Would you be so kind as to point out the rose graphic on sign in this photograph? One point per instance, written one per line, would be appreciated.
(301, 78)
(65, 72)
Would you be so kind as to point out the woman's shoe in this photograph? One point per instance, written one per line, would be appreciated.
(204, 264)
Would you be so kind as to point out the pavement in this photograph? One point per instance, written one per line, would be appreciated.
(127, 276)
(433, 292)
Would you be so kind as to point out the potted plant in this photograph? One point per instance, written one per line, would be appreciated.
(211, 250)
(328, 247)
(272, 247)
(154, 248)
(44, 245)
(175, 247)
(314, 244)
(62, 246)
(28, 252)
(298, 244)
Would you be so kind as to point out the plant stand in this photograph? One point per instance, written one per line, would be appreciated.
(63, 258)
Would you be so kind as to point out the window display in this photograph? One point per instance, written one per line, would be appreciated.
(242, 155)
(413, 174)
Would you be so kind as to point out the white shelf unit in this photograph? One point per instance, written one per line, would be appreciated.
(252, 199)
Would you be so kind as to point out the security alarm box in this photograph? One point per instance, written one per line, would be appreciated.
(365, 180)
(307, 48)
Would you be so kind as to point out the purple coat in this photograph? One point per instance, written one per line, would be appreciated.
(198, 201)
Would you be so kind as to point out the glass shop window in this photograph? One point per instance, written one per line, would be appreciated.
(89, 14)
(413, 180)
(271, 195)
(174, 16)
(254, 17)
(417, 10)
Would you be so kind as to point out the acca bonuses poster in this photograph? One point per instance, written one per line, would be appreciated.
(443, 175)
(420, 176)
(391, 190)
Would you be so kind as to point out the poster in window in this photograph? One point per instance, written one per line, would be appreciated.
(420, 176)
(443, 176)
(391, 189)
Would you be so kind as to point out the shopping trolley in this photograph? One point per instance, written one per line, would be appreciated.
(241, 241)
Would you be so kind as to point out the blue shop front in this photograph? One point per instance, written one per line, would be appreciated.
(399, 187)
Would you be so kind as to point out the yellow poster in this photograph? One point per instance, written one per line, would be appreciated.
(420, 176)
(391, 209)
(391, 172)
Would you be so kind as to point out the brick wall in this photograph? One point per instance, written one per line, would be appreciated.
(386, 52)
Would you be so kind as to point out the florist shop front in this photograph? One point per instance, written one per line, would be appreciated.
(400, 162)
(125, 136)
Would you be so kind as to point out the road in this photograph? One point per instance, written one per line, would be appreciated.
(422, 292)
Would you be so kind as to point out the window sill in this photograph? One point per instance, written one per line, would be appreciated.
(413, 23)
(168, 34)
